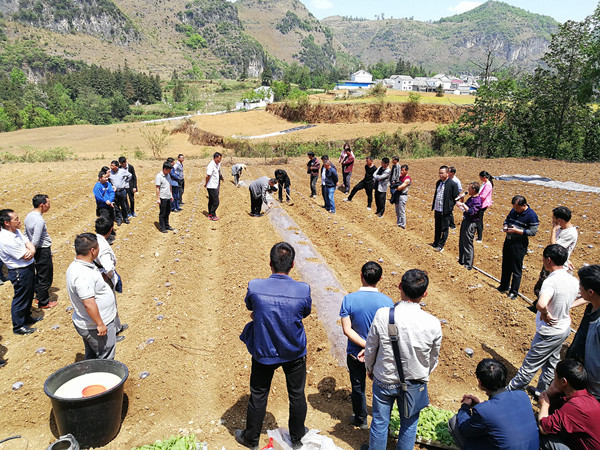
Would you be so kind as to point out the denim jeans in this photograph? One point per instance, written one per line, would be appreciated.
(330, 199)
(383, 401)
(23, 281)
(358, 377)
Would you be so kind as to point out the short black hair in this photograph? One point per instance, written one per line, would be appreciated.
(282, 257)
(562, 212)
(404, 166)
(101, 173)
(443, 167)
(475, 185)
(311, 154)
(385, 160)
(451, 169)
(589, 277)
(122, 159)
(491, 373)
(216, 155)
(180, 155)
(170, 160)
(414, 283)
(103, 225)
(396, 158)
(5, 216)
(115, 162)
(371, 272)
(84, 242)
(518, 200)
(370, 158)
(325, 158)
(166, 165)
(39, 199)
(572, 371)
(557, 253)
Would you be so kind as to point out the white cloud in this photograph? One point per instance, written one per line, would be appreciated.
(464, 6)
(321, 4)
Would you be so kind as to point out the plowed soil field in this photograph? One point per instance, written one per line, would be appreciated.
(196, 278)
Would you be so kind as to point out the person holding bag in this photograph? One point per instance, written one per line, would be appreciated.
(402, 350)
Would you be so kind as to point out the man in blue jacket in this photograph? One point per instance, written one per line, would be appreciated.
(105, 197)
(275, 338)
(505, 421)
(329, 181)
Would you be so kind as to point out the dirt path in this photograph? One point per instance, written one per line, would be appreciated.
(199, 370)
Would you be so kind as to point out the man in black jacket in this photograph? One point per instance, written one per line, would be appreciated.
(313, 169)
(444, 199)
(132, 189)
(367, 183)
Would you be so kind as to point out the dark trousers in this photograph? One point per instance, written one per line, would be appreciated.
(466, 251)
(358, 377)
(131, 197)
(175, 202)
(23, 281)
(236, 177)
(255, 204)
(480, 224)
(442, 224)
(181, 190)
(44, 274)
(213, 201)
(513, 253)
(452, 224)
(380, 202)
(347, 176)
(368, 190)
(121, 210)
(260, 385)
(164, 212)
(107, 211)
(313, 185)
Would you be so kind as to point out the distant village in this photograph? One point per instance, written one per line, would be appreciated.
(464, 85)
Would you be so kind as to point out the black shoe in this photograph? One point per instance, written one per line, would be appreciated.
(163, 231)
(126, 221)
(512, 295)
(120, 338)
(24, 330)
(241, 439)
(364, 447)
(501, 289)
(119, 224)
(2, 362)
(356, 423)
(33, 320)
(298, 444)
(170, 228)
(124, 326)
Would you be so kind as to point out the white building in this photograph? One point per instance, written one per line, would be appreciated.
(402, 82)
(362, 76)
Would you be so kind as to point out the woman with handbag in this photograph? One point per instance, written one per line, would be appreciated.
(402, 349)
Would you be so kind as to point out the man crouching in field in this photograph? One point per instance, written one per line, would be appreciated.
(275, 337)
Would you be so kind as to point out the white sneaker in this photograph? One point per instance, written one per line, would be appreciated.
(368, 209)
(346, 200)
(479, 242)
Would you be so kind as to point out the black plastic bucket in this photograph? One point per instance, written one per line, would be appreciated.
(93, 421)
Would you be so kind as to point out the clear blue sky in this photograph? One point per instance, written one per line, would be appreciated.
(560, 10)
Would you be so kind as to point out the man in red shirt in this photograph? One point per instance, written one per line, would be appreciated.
(575, 419)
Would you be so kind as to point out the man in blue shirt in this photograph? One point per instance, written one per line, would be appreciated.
(105, 197)
(357, 312)
(275, 337)
(505, 421)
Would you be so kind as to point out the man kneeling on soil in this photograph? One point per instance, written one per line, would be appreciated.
(505, 421)
(275, 337)
(575, 419)
(93, 301)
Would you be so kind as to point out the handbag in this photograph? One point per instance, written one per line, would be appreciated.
(415, 396)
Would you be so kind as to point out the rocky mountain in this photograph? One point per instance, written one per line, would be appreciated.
(218, 38)
(454, 44)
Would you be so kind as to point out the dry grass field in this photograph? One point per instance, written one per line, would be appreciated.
(199, 369)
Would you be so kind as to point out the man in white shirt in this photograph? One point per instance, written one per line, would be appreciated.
(419, 340)
(164, 196)
(552, 322)
(17, 253)
(93, 300)
(212, 184)
(35, 228)
(106, 262)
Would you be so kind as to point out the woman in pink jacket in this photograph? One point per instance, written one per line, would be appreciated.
(485, 192)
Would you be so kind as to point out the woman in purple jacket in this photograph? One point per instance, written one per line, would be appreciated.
(468, 227)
